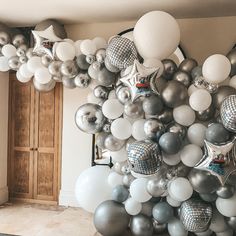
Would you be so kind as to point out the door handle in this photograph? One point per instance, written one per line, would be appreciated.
(31, 149)
(36, 149)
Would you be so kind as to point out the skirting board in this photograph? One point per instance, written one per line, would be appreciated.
(67, 198)
(3, 195)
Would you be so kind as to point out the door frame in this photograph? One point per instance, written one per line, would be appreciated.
(12, 75)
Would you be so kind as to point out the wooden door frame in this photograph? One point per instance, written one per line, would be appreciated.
(12, 75)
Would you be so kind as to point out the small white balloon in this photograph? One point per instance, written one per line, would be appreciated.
(171, 160)
(42, 75)
(200, 100)
(121, 128)
(93, 73)
(227, 207)
(184, 115)
(21, 78)
(112, 108)
(24, 71)
(119, 156)
(4, 64)
(100, 42)
(133, 207)
(232, 82)
(34, 63)
(196, 134)
(115, 179)
(77, 47)
(172, 201)
(138, 130)
(191, 89)
(65, 51)
(8, 50)
(88, 47)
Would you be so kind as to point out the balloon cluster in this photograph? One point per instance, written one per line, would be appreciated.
(170, 130)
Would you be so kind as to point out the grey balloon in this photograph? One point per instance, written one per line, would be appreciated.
(231, 221)
(44, 87)
(156, 187)
(133, 110)
(123, 94)
(232, 58)
(82, 63)
(82, 80)
(128, 179)
(152, 105)
(111, 218)
(55, 68)
(68, 83)
(208, 197)
(147, 208)
(18, 39)
(196, 72)
(4, 38)
(187, 65)
(69, 69)
(120, 193)
(14, 63)
(105, 77)
(141, 225)
(174, 94)
(157, 84)
(221, 94)
(177, 129)
(203, 181)
(153, 128)
(89, 118)
(207, 114)
(226, 191)
(162, 212)
(166, 116)
(159, 228)
(113, 144)
(46, 60)
(100, 139)
(110, 67)
(170, 143)
(100, 55)
(169, 69)
(101, 92)
(183, 77)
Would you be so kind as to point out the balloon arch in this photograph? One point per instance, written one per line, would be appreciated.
(168, 123)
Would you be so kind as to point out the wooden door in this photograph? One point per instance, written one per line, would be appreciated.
(34, 142)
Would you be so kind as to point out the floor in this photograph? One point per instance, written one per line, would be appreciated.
(40, 220)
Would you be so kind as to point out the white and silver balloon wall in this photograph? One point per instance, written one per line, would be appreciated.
(169, 128)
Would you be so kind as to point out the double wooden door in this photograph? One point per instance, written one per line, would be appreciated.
(34, 142)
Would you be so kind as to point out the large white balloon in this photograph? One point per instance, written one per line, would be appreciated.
(200, 100)
(227, 207)
(42, 75)
(88, 47)
(196, 134)
(21, 78)
(184, 115)
(156, 35)
(121, 128)
(65, 51)
(92, 187)
(8, 50)
(34, 63)
(112, 108)
(216, 68)
(138, 130)
(24, 71)
(133, 207)
(119, 156)
(171, 159)
(176, 228)
(100, 42)
(4, 64)
(115, 179)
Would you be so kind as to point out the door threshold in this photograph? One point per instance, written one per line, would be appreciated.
(34, 201)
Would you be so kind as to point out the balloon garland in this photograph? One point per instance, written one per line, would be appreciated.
(170, 129)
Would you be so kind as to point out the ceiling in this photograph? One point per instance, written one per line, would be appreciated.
(30, 12)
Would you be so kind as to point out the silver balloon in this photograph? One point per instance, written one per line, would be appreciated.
(105, 77)
(90, 59)
(123, 94)
(46, 60)
(162, 212)
(156, 187)
(100, 55)
(147, 208)
(159, 228)
(69, 69)
(96, 66)
(23, 59)
(208, 197)
(222, 93)
(141, 225)
(201, 83)
(113, 144)
(20, 52)
(68, 83)
(196, 215)
(232, 58)
(14, 63)
(101, 92)
(44, 87)
(89, 118)
(128, 179)
(169, 69)
(157, 84)
(134, 110)
(30, 53)
(18, 39)
(231, 221)
(100, 139)
(82, 80)
(23, 47)
(183, 77)
(120, 193)
(196, 72)
(82, 63)
(54, 68)
(4, 38)
(153, 128)
(152, 105)
(207, 114)
(177, 129)
(166, 116)
(226, 191)
(187, 65)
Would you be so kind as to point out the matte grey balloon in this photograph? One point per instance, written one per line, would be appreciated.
(187, 65)
(152, 105)
(203, 181)
(123, 94)
(68, 83)
(110, 67)
(18, 39)
(133, 110)
(113, 144)
(81, 62)
(208, 197)
(4, 38)
(128, 179)
(101, 92)
(54, 68)
(89, 118)
(120, 193)
(153, 128)
(111, 218)
(170, 143)
(226, 191)
(169, 69)
(166, 116)
(221, 94)
(105, 77)
(174, 94)
(14, 63)
(232, 58)
(182, 77)
(162, 212)
(196, 72)
(207, 114)
(231, 221)
(46, 60)
(100, 55)
(82, 80)
(44, 87)
(158, 228)
(156, 187)
(69, 69)
(90, 59)
(141, 225)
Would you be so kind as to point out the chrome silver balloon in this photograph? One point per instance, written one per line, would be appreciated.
(128, 179)
(159, 228)
(183, 77)
(169, 69)
(226, 191)
(90, 59)
(68, 83)
(187, 65)
(54, 68)
(153, 128)
(113, 144)
(152, 105)
(177, 129)
(69, 69)
(100, 55)
(120, 193)
(134, 110)
(4, 38)
(100, 139)
(118, 166)
(82, 80)
(14, 63)
(81, 62)
(141, 225)
(18, 39)
(46, 60)
(101, 92)
(89, 118)
(123, 94)
(232, 58)
(105, 77)
(44, 87)
(222, 93)
(157, 186)
(231, 221)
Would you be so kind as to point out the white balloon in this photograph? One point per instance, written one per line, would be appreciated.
(21, 78)
(119, 156)
(42, 75)
(92, 99)
(216, 68)
(65, 51)
(88, 47)
(112, 94)
(184, 115)
(154, 63)
(191, 154)
(133, 207)
(121, 128)
(4, 64)
(176, 228)
(171, 160)
(232, 82)
(180, 189)
(156, 35)
(200, 100)
(115, 179)
(8, 50)
(77, 47)
(138, 190)
(92, 187)
(172, 201)
(34, 63)
(100, 42)
(191, 89)
(196, 134)
(112, 108)
(227, 207)
(92, 72)
(24, 71)
(138, 130)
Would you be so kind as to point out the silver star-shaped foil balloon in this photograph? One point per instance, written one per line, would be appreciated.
(219, 160)
(138, 80)
(44, 41)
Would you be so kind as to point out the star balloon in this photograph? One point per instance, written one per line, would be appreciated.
(138, 80)
(44, 41)
(220, 160)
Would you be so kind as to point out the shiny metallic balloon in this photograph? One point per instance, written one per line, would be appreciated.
(152, 105)
(128, 179)
(157, 84)
(177, 129)
(179, 170)
(113, 144)
(187, 65)
(90, 59)
(68, 83)
(23, 59)
(44, 87)
(196, 72)
(100, 55)
(153, 128)
(222, 93)
(18, 39)
(207, 114)
(201, 83)
(20, 52)
(69, 69)
(120, 193)
(123, 94)
(169, 69)
(100, 139)
(183, 77)
(166, 116)
(157, 186)
(231, 221)
(89, 118)
(82, 63)
(226, 191)
(196, 215)
(4, 38)
(101, 92)
(203, 181)
(133, 110)
(158, 228)
(141, 225)
(82, 80)
(208, 197)
(30, 53)
(232, 58)
(14, 63)
(162, 212)
(174, 94)
(46, 60)
(54, 68)
(105, 77)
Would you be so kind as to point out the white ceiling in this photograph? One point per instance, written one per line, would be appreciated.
(30, 12)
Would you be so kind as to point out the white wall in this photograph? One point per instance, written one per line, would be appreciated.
(199, 37)
(3, 136)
